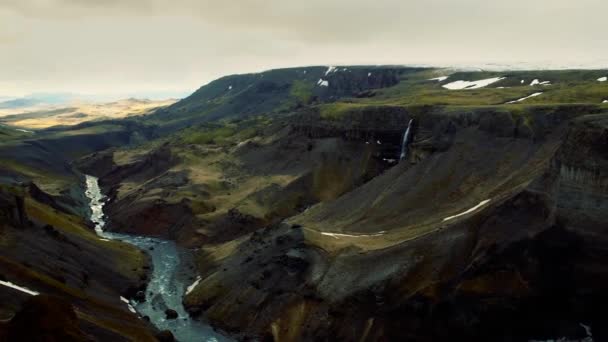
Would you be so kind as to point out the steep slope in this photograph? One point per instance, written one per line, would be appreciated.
(395, 252)
(78, 277)
(277, 91)
(308, 227)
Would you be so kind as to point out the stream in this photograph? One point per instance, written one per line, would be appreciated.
(168, 280)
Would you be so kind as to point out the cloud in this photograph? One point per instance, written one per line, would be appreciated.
(108, 44)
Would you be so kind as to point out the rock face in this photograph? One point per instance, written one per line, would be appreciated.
(171, 314)
(387, 261)
(50, 251)
(165, 336)
(45, 318)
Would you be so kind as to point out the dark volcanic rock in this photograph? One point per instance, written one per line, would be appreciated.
(165, 336)
(171, 314)
(45, 318)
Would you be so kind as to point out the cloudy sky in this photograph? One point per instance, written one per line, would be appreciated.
(126, 47)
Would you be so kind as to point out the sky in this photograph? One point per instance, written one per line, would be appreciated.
(166, 47)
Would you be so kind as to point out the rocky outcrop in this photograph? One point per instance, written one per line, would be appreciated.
(52, 252)
(45, 318)
(384, 262)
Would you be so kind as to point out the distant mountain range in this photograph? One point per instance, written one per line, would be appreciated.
(54, 99)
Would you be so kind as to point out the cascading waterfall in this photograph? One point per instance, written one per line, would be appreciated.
(406, 138)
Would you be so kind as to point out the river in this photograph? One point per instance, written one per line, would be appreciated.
(167, 282)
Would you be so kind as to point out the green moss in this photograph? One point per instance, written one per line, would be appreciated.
(302, 92)
(208, 136)
(337, 110)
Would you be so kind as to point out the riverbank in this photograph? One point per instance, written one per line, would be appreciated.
(162, 299)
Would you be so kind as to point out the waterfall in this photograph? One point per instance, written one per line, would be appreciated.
(406, 138)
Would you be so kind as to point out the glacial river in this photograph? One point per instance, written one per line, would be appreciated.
(167, 283)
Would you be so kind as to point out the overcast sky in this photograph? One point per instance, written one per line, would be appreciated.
(148, 46)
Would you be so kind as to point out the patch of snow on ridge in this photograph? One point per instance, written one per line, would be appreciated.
(191, 287)
(535, 82)
(330, 70)
(338, 235)
(458, 85)
(439, 79)
(230, 88)
(369, 74)
(19, 288)
(602, 79)
(481, 204)
(522, 81)
(524, 98)
(322, 83)
(605, 101)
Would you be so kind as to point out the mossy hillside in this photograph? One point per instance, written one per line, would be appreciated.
(127, 257)
(223, 133)
(278, 91)
(55, 253)
(8, 133)
(106, 315)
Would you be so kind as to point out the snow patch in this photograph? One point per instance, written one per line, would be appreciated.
(191, 287)
(439, 79)
(19, 288)
(378, 142)
(338, 235)
(459, 85)
(330, 70)
(481, 204)
(524, 98)
(23, 130)
(369, 74)
(535, 82)
(522, 81)
(124, 299)
(322, 83)
(229, 87)
(605, 101)
(602, 79)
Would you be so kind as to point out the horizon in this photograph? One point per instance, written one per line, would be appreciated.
(162, 94)
(151, 46)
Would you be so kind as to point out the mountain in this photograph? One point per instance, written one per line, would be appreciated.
(288, 192)
(78, 112)
(38, 99)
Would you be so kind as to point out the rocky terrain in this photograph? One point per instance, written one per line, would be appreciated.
(306, 225)
(75, 280)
